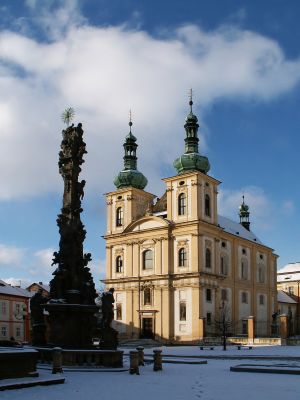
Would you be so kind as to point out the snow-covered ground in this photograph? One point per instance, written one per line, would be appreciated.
(213, 381)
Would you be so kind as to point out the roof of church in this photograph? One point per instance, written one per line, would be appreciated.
(290, 272)
(235, 228)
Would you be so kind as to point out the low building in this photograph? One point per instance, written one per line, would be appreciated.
(14, 313)
(288, 281)
(36, 286)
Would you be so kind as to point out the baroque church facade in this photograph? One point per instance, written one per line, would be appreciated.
(177, 267)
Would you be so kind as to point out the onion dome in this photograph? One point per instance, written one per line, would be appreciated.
(130, 176)
(191, 160)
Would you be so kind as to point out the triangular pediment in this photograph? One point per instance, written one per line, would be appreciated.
(148, 222)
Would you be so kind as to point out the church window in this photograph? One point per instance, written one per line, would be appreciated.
(224, 266)
(244, 269)
(182, 204)
(207, 258)
(245, 297)
(148, 259)
(3, 331)
(182, 311)
(119, 216)
(261, 299)
(224, 294)
(18, 331)
(261, 274)
(147, 296)
(118, 311)
(208, 295)
(208, 318)
(182, 256)
(207, 205)
(119, 264)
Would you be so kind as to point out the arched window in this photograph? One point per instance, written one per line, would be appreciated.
(207, 205)
(182, 258)
(119, 216)
(244, 297)
(147, 297)
(182, 204)
(223, 265)
(244, 269)
(148, 259)
(119, 264)
(207, 258)
(261, 299)
(182, 311)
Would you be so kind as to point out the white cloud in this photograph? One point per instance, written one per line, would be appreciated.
(288, 207)
(23, 282)
(44, 257)
(10, 255)
(104, 71)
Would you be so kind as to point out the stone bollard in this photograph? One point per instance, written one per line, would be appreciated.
(140, 350)
(134, 362)
(57, 360)
(157, 358)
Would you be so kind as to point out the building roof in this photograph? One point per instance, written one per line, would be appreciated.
(5, 288)
(41, 285)
(289, 273)
(235, 228)
(283, 297)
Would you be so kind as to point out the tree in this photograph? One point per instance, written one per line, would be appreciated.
(224, 322)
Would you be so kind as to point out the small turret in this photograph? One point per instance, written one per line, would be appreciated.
(191, 160)
(130, 176)
(244, 215)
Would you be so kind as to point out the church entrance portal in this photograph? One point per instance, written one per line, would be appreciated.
(147, 328)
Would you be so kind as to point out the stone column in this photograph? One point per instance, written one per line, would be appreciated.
(140, 350)
(284, 327)
(201, 328)
(251, 331)
(57, 360)
(157, 358)
(134, 362)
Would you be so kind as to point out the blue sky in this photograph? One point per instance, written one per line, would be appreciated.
(105, 57)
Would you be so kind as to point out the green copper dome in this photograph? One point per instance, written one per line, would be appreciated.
(130, 176)
(244, 215)
(191, 160)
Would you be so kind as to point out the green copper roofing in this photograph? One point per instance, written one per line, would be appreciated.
(244, 210)
(191, 160)
(244, 215)
(130, 176)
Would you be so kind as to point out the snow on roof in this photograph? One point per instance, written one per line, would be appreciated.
(237, 229)
(41, 285)
(5, 288)
(283, 297)
(290, 272)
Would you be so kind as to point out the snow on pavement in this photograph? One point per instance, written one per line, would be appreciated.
(213, 381)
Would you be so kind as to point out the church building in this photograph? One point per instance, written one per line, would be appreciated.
(178, 268)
